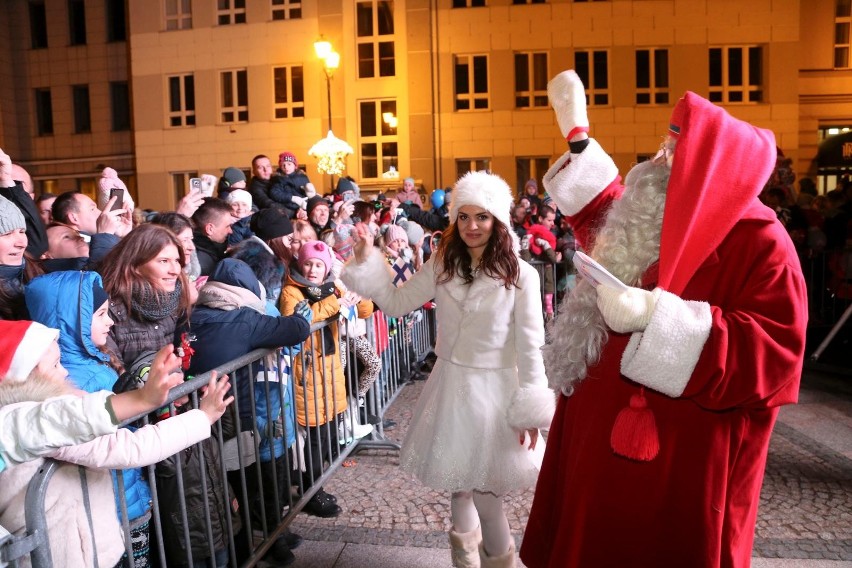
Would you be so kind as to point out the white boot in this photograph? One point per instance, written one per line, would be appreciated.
(348, 431)
(464, 548)
(506, 560)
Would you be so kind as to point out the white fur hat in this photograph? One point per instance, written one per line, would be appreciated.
(239, 196)
(484, 190)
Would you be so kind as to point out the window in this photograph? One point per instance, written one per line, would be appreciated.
(842, 22)
(231, 12)
(180, 184)
(528, 1)
(82, 114)
(465, 165)
(652, 76)
(116, 21)
(530, 168)
(735, 74)
(178, 14)
(375, 41)
(286, 9)
(182, 100)
(531, 80)
(234, 92)
(120, 98)
(77, 22)
(468, 3)
(471, 82)
(44, 112)
(593, 69)
(289, 92)
(377, 136)
(38, 25)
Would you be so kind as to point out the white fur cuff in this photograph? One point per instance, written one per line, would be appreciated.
(532, 407)
(588, 174)
(664, 356)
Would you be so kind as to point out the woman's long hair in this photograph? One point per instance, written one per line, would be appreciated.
(120, 268)
(499, 259)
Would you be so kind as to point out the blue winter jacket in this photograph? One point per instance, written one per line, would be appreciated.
(63, 300)
(231, 330)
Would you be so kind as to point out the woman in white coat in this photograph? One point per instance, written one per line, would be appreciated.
(475, 429)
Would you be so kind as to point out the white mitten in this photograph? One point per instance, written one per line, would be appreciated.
(626, 311)
(310, 190)
(300, 201)
(542, 243)
(568, 98)
(208, 184)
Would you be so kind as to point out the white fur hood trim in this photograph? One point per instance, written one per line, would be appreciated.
(532, 407)
(587, 174)
(664, 356)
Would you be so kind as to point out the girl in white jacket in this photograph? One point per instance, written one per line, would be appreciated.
(79, 531)
(475, 429)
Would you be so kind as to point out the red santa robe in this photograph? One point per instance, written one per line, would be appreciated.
(722, 353)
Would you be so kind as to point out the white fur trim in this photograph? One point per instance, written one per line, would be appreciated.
(577, 184)
(664, 356)
(484, 190)
(33, 346)
(532, 407)
(367, 278)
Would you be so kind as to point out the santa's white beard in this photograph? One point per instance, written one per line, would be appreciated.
(627, 245)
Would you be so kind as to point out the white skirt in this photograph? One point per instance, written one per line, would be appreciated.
(459, 438)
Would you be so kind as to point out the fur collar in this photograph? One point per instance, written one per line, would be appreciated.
(226, 297)
(469, 297)
(33, 389)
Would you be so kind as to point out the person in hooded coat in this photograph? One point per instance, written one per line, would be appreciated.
(672, 384)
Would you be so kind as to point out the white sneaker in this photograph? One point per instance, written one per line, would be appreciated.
(362, 430)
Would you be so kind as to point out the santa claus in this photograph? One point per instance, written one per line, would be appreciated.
(671, 386)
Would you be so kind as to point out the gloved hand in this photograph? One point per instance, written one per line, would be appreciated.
(542, 243)
(310, 190)
(302, 202)
(208, 184)
(568, 98)
(304, 309)
(626, 311)
(525, 242)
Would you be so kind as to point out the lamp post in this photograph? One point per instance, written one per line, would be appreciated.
(331, 61)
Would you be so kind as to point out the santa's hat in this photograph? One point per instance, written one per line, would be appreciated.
(22, 345)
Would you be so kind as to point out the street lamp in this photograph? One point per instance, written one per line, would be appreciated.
(331, 61)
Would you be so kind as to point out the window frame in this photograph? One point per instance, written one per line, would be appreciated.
(44, 111)
(82, 107)
(470, 3)
(536, 82)
(182, 18)
(232, 14)
(293, 103)
(283, 10)
(119, 102)
(77, 34)
(386, 136)
(39, 38)
(239, 111)
(180, 183)
(116, 21)
(471, 96)
(722, 93)
(185, 113)
(527, 167)
(597, 87)
(380, 65)
(465, 165)
(657, 91)
(842, 34)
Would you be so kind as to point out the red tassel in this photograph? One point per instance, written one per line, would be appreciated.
(634, 434)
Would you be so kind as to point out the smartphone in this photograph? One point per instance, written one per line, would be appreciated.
(195, 184)
(119, 198)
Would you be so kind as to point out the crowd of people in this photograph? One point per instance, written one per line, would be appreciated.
(689, 356)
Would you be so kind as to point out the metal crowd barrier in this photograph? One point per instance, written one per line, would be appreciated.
(409, 339)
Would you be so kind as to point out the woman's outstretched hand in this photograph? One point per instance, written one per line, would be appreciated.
(363, 242)
(533, 432)
(214, 402)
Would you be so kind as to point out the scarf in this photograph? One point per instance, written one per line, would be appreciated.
(13, 272)
(314, 293)
(153, 305)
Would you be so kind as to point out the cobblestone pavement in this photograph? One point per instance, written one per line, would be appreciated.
(805, 508)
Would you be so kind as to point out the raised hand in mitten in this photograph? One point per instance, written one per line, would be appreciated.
(542, 243)
(302, 202)
(568, 98)
(626, 311)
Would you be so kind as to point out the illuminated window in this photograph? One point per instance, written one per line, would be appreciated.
(377, 137)
(842, 22)
(736, 74)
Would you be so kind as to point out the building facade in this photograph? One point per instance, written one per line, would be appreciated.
(426, 88)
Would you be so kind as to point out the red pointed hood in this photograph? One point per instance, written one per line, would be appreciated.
(720, 166)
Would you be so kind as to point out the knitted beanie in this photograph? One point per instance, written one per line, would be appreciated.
(287, 157)
(239, 196)
(484, 190)
(231, 176)
(11, 218)
(313, 202)
(22, 345)
(271, 223)
(395, 233)
(343, 241)
(415, 233)
(317, 249)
